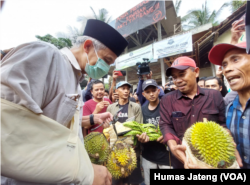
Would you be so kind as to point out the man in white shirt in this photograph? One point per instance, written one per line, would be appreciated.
(43, 79)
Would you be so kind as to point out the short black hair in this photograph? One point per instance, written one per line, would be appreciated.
(214, 77)
(96, 82)
(202, 78)
(106, 91)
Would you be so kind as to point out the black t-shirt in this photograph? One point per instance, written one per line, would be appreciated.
(123, 114)
(154, 151)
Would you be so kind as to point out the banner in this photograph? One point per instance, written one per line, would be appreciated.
(141, 16)
(173, 46)
(131, 58)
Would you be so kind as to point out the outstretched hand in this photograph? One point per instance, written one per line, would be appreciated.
(105, 117)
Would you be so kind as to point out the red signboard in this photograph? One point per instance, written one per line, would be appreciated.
(140, 16)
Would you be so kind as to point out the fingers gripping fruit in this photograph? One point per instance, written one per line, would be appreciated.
(211, 144)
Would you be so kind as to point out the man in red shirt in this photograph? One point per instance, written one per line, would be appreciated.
(96, 105)
(189, 104)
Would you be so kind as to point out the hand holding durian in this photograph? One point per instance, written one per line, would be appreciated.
(209, 145)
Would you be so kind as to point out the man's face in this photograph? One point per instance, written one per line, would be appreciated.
(213, 84)
(236, 69)
(106, 54)
(151, 93)
(185, 80)
(98, 91)
(106, 94)
(201, 83)
(123, 91)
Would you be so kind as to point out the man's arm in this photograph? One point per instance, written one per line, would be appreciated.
(141, 98)
(105, 117)
(236, 32)
(26, 75)
(138, 114)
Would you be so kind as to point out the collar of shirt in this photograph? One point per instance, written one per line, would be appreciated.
(199, 91)
(237, 105)
(73, 62)
(117, 104)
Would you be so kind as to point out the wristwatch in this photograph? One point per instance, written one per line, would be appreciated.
(91, 118)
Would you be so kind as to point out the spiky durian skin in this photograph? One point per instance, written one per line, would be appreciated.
(122, 160)
(212, 141)
(96, 143)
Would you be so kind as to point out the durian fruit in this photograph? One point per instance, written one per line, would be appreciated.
(211, 144)
(122, 160)
(97, 147)
(106, 132)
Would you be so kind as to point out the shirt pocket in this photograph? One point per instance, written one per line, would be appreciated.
(68, 110)
(179, 124)
(211, 115)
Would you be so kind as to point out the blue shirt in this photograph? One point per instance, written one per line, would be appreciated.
(238, 122)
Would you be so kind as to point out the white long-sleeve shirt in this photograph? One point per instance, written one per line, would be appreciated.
(42, 78)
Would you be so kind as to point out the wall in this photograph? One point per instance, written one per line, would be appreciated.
(206, 72)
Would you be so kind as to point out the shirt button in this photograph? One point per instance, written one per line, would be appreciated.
(176, 118)
(243, 117)
(193, 115)
(245, 157)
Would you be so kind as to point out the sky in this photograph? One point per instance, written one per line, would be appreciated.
(21, 20)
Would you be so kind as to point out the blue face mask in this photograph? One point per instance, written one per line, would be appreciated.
(98, 70)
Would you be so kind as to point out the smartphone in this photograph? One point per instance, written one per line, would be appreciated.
(121, 73)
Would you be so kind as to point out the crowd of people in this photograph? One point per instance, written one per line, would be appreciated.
(44, 80)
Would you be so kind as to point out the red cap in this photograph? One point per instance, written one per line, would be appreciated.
(217, 53)
(181, 63)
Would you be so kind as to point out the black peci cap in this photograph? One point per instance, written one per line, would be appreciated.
(106, 34)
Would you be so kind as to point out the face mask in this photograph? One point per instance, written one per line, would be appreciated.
(98, 70)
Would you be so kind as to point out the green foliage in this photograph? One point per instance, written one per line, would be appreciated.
(198, 17)
(58, 42)
(234, 5)
(106, 86)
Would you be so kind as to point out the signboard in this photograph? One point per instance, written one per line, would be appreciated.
(173, 46)
(140, 16)
(131, 58)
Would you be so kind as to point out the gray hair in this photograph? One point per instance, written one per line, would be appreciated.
(97, 44)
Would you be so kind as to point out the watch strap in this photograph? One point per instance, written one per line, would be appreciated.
(91, 118)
